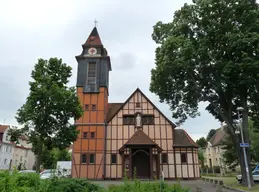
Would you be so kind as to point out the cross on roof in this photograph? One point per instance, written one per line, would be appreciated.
(95, 23)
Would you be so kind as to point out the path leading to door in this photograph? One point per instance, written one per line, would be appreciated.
(192, 184)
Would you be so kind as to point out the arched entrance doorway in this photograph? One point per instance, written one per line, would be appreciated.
(141, 163)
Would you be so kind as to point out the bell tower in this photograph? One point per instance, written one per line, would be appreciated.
(92, 89)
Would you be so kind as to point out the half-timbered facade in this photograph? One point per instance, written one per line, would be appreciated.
(133, 138)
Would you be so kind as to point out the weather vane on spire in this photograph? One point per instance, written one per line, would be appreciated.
(95, 23)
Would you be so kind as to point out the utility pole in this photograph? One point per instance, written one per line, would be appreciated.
(241, 109)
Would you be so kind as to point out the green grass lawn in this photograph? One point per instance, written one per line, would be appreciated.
(233, 183)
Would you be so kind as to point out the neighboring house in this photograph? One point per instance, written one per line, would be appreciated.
(119, 138)
(6, 149)
(23, 157)
(213, 151)
(12, 154)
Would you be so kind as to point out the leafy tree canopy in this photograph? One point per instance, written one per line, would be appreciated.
(51, 104)
(209, 53)
(211, 133)
(202, 142)
(51, 157)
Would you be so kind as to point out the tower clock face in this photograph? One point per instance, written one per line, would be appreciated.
(92, 51)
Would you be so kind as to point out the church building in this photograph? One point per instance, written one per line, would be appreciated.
(132, 138)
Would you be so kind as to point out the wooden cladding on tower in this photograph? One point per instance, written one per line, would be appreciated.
(130, 119)
(91, 74)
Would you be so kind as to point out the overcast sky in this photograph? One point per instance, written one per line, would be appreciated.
(30, 29)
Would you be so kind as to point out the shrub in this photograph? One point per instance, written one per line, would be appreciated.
(138, 186)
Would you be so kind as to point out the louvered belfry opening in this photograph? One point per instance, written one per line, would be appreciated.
(91, 76)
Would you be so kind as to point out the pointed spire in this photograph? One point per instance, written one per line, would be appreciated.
(93, 39)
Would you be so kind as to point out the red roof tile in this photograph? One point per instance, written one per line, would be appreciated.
(139, 138)
(93, 39)
(182, 139)
(3, 128)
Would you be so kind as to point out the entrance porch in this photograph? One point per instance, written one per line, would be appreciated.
(141, 162)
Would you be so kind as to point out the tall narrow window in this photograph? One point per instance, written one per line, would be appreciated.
(83, 158)
(164, 158)
(92, 135)
(92, 159)
(85, 135)
(91, 75)
(183, 158)
(114, 158)
(93, 107)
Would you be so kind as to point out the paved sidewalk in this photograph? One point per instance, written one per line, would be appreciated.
(192, 184)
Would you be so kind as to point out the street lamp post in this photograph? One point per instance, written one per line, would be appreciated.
(241, 109)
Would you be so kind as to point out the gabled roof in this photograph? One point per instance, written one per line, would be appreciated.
(139, 138)
(182, 139)
(113, 112)
(93, 39)
(218, 137)
(3, 128)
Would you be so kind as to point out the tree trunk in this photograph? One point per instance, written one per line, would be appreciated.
(38, 154)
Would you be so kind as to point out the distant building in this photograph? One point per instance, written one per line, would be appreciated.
(23, 157)
(6, 148)
(214, 151)
(15, 154)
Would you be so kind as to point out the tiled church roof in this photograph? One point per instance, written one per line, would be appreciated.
(140, 138)
(182, 139)
(113, 109)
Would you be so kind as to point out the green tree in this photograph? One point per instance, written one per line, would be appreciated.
(201, 157)
(202, 142)
(51, 157)
(209, 53)
(210, 134)
(51, 104)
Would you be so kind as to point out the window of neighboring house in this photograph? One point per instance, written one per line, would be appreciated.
(26, 153)
(83, 158)
(6, 148)
(114, 158)
(10, 149)
(85, 134)
(91, 74)
(148, 119)
(20, 158)
(138, 104)
(164, 158)
(6, 138)
(128, 119)
(92, 135)
(5, 161)
(86, 107)
(92, 159)
(183, 157)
